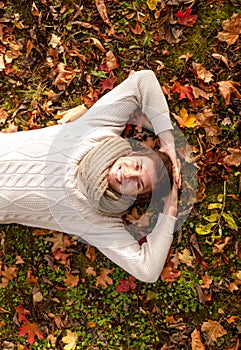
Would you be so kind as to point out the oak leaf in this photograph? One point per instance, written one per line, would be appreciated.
(184, 91)
(32, 330)
(126, 285)
(70, 340)
(185, 18)
(214, 328)
(197, 343)
(103, 279)
(231, 29)
(227, 88)
(234, 158)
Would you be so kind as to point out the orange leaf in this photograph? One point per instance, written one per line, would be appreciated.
(197, 343)
(169, 274)
(10, 272)
(207, 281)
(138, 29)
(90, 253)
(184, 91)
(103, 279)
(231, 29)
(214, 328)
(32, 330)
(21, 313)
(71, 280)
(184, 119)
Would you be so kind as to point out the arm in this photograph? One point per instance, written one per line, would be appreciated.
(145, 262)
(142, 90)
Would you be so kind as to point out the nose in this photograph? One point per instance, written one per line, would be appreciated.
(131, 174)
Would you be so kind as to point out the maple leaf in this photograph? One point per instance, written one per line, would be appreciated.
(108, 84)
(32, 330)
(126, 285)
(184, 119)
(61, 241)
(231, 29)
(185, 18)
(228, 87)
(214, 328)
(138, 29)
(184, 91)
(207, 281)
(103, 279)
(185, 257)
(169, 274)
(61, 257)
(21, 313)
(71, 280)
(197, 343)
(234, 158)
(70, 340)
(91, 97)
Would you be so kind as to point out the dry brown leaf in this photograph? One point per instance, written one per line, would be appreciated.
(90, 271)
(221, 58)
(197, 343)
(34, 10)
(185, 257)
(202, 73)
(55, 41)
(206, 120)
(98, 44)
(197, 92)
(71, 280)
(29, 48)
(214, 328)
(103, 279)
(207, 281)
(227, 88)
(100, 4)
(231, 29)
(2, 64)
(60, 241)
(90, 253)
(10, 272)
(64, 77)
(234, 158)
(3, 115)
(220, 244)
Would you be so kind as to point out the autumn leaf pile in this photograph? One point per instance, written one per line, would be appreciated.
(55, 56)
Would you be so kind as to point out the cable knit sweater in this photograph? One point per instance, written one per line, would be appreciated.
(38, 182)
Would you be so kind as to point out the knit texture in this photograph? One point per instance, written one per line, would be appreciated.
(93, 172)
(38, 177)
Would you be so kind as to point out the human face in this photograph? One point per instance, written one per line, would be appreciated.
(132, 175)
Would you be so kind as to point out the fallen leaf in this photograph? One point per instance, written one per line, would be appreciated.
(185, 257)
(184, 119)
(202, 73)
(32, 330)
(207, 281)
(197, 92)
(3, 114)
(2, 64)
(21, 312)
(10, 272)
(103, 14)
(90, 253)
(98, 44)
(231, 29)
(228, 88)
(103, 279)
(61, 257)
(152, 4)
(204, 229)
(34, 10)
(109, 62)
(70, 340)
(234, 158)
(184, 91)
(138, 29)
(90, 271)
(108, 84)
(230, 221)
(221, 58)
(91, 97)
(64, 77)
(61, 241)
(197, 343)
(169, 274)
(71, 280)
(214, 328)
(185, 18)
(55, 41)
(126, 285)
(232, 319)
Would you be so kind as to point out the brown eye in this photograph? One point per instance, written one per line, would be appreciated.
(137, 165)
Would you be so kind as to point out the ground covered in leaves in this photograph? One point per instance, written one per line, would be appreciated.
(59, 294)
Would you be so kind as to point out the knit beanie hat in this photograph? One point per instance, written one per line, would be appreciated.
(93, 173)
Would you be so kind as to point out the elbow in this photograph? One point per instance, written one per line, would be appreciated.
(148, 277)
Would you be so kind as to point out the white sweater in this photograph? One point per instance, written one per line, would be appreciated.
(38, 184)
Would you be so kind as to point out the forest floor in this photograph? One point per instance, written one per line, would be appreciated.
(57, 293)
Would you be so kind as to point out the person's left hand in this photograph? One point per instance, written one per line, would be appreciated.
(170, 151)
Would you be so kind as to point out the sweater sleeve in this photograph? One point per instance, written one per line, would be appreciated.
(145, 262)
(140, 90)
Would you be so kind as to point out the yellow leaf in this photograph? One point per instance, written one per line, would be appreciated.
(204, 229)
(152, 4)
(215, 206)
(212, 217)
(70, 340)
(185, 257)
(151, 295)
(184, 119)
(230, 221)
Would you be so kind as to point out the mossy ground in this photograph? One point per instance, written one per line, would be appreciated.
(104, 318)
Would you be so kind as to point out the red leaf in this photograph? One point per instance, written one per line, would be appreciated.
(169, 274)
(126, 285)
(138, 29)
(185, 18)
(32, 330)
(21, 313)
(108, 84)
(184, 91)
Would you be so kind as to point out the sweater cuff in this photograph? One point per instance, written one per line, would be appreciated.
(166, 221)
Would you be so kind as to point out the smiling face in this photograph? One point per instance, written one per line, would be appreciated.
(132, 175)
